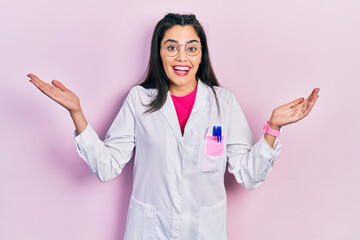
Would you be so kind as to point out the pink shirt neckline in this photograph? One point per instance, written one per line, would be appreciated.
(183, 106)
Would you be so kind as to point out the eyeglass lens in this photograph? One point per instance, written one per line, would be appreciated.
(172, 49)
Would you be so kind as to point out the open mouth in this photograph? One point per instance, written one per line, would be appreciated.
(181, 70)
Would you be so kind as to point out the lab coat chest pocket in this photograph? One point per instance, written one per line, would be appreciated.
(141, 220)
(211, 155)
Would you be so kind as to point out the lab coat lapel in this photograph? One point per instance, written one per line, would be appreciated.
(169, 113)
(202, 101)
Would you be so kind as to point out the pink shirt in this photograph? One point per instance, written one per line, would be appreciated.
(183, 106)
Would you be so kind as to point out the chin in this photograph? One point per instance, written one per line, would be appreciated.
(181, 82)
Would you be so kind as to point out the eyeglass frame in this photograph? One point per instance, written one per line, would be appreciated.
(163, 46)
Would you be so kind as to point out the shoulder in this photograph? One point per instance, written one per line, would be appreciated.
(138, 91)
(139, 96)
(223, 94)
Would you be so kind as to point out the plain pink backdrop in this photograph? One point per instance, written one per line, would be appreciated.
(267, 52)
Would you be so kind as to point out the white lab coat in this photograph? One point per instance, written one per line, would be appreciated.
(178, 190)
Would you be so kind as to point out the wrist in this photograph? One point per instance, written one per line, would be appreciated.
(79, 120)
(275, 127)
(75, 112)
(273, 131)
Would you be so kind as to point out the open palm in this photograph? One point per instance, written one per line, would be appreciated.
(59, 93)
(293, 111)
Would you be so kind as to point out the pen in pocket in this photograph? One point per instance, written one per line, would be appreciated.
(217, 133)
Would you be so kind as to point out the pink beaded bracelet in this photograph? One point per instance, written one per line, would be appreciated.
(270, 131)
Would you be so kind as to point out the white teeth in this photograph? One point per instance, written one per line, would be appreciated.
(182, 68)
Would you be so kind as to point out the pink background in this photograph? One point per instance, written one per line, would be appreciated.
(267, 52)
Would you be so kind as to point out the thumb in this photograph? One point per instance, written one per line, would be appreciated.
(296, 102)
(59, 85)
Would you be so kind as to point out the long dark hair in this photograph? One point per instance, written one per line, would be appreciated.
(156, 76)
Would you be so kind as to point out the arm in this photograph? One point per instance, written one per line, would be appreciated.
(63, 96)
(105, 158)
(249, 161)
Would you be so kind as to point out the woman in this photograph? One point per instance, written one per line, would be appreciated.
(185, 129)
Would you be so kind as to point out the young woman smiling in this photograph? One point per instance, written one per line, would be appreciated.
(186, 129)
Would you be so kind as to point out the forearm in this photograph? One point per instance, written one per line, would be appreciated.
(251, 166)
(79, 120)
(271, 139)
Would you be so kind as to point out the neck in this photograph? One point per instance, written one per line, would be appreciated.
(180, 91)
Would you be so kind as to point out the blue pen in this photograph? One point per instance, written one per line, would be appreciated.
(219, 133)
(214, 131)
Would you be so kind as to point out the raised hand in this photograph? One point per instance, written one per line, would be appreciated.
(59, 93)
(293, 111)
(66, 98)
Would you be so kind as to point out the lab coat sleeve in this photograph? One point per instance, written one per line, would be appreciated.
(107, 158)
(248, 161)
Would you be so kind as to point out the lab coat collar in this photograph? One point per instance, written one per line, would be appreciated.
(202, 100)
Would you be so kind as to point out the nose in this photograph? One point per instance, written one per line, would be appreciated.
(182, 56)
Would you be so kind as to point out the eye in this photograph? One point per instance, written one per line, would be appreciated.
(192, 49)
(171, 48)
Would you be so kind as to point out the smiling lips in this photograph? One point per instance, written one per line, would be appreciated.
(181, 70)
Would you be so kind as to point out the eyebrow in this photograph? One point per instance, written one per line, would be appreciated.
(171, 40)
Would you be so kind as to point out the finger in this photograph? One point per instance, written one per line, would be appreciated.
(314, 93)
(59, 85)
(31, 75)
(42, 86)
(303, 109)
(35, 80)
(38, 83)
(295, 102)
(307, 108)
(312, 102)
(315, 97)
(312, 97)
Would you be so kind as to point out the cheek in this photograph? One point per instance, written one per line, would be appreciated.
(197, 63)
(166, 65)
(163, 58)
(198, 60)
(165, 62)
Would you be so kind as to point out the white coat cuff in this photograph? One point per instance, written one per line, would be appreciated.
(85, 140)
(268, 152)
(84, 135)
